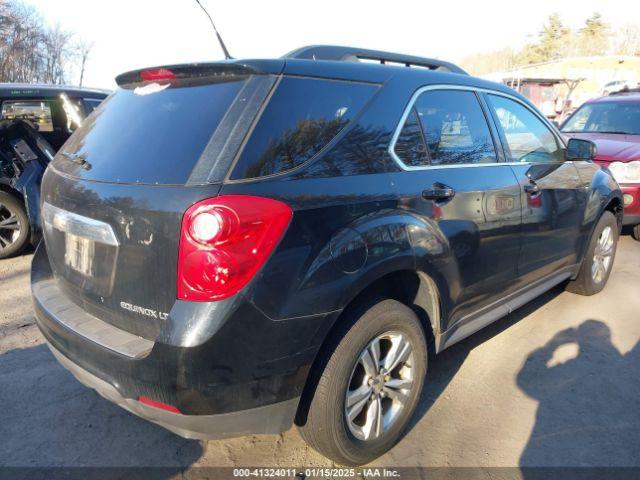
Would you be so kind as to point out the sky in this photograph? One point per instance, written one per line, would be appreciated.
(131, 34)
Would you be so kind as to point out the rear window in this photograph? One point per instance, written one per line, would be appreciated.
(149, 134)
(38, 112)
(301, 118)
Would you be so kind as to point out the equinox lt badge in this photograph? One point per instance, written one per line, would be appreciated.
(144, 311)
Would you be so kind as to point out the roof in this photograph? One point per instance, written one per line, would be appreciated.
(337, 63)
(38, 90)
(618, 98)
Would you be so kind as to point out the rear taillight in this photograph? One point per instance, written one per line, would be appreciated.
(223, 243)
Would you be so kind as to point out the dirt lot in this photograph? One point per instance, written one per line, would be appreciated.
(555, 383)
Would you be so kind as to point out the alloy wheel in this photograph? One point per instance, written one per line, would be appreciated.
(602, 255)
(10, 227)
(380, 386)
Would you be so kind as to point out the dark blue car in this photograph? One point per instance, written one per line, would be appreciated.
(35, 120)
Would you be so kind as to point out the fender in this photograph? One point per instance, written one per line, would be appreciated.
(28, 186)
(602, 190)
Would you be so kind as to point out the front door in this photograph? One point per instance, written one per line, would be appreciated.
(552, 196)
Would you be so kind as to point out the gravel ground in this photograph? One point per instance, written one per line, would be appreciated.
(555, 383)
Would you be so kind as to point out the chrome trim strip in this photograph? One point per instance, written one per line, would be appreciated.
(501, 307)
(468, 88)
(85, 227)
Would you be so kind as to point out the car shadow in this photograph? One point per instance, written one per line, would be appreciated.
(573, 427)
(48, 419)
(444, 366)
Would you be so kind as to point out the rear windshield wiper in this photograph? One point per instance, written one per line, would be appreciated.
(77, 159)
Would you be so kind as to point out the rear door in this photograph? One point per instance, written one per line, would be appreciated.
(552, 196)
(453, 179)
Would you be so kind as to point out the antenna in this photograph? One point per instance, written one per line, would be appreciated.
(224, 47)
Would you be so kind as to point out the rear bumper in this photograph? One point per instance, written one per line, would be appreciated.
(268, 419)
(233, 372)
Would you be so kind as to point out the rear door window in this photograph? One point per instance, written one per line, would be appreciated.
(301, 118)
(454, 129)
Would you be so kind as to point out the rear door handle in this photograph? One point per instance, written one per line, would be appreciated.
(532, 188)
(438, 192)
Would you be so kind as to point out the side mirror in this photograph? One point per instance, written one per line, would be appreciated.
(578, 149)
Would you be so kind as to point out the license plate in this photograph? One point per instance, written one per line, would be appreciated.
(79, 253)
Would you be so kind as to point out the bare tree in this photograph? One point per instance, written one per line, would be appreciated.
(629, 40)
(30, 50)
(84, 48)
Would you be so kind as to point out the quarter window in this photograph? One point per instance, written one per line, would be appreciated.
(301, 118)
(454, 130)
(528, 138)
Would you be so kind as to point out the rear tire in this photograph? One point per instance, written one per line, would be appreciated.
(343, 422)
(635, 232)
(598, 260)
(14, 226)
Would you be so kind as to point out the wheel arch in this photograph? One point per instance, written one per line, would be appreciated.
(5, 188)
(412, 288)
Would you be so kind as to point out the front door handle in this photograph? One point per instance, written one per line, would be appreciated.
(532, 188)
(438, 192)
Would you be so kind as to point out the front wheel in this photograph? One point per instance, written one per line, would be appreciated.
(369, 386)
(598, 260)
(14, 226)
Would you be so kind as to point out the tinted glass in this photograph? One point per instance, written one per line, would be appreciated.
(37, 112)
(302, 116)
(455, 128)
(90, 104)
(410, 146)
(606, 117)
(528, 138)
(144, 135)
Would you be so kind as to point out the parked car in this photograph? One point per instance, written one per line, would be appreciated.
(285, 241)
(613, 124)
(35, 120)
(617, 86)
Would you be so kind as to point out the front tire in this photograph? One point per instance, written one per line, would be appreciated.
(598, 260)
(14, 226)
(369, 384)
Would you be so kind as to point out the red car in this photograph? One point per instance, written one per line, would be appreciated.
(613, 124)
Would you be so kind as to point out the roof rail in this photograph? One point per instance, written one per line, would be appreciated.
(350, 54)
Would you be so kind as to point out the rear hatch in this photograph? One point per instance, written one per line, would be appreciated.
(115, 194)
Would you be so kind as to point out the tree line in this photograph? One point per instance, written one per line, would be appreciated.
(555, 40)
(32, 51)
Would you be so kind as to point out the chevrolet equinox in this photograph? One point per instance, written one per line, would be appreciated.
(231, 248)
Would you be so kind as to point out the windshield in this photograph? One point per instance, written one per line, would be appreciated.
(605, 117)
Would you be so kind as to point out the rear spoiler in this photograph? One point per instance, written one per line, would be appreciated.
(202, 71)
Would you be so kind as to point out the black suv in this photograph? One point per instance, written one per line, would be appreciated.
(235, 247)
(35, 120)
